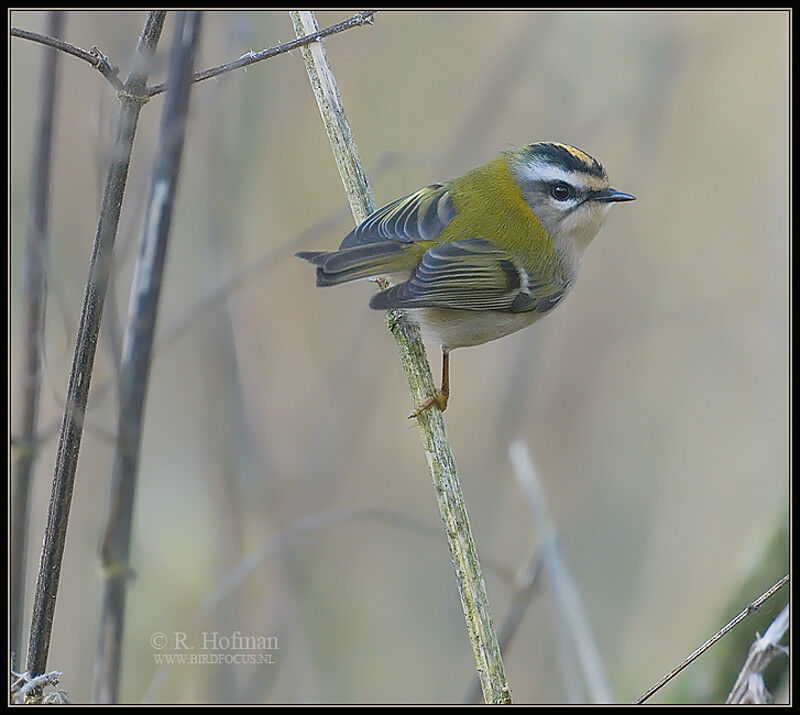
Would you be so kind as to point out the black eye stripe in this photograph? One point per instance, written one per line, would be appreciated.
(546, 186)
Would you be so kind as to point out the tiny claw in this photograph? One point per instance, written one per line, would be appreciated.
(439, 399)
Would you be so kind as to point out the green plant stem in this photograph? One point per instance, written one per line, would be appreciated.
(438, 452)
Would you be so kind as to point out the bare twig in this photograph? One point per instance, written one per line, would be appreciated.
(567, 598)
(750, 687)
(710, 677)
(94, 57)
(727, 628)
(85, 347)
(365, 17)
(103, 65)
(34, 271)
(137, 355)
(474, 600)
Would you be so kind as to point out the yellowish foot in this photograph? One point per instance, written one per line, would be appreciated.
(439, 399)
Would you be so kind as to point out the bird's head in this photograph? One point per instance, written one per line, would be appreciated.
(567, 189)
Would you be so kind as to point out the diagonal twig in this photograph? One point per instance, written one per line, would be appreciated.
(365, 17)
(103, 65)
(94, 57)
(727, 628)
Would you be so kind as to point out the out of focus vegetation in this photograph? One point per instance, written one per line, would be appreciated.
(655, 400)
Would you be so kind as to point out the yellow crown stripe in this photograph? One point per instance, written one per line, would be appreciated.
(577, 153)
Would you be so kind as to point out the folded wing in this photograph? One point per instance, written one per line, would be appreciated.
(422, 216)
(473, 274)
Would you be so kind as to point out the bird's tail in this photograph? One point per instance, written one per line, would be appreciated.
(349, 264)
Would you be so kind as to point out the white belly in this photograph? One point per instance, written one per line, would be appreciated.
(452, 328)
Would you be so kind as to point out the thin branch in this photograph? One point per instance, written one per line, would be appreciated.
(567, 598)
(85, 348)
(34, 272)
(94, 57)
(750, 688)
(474, 600)
(137, 355)
(727, 628)
(365, 17)
(103, 65)
(712, 675)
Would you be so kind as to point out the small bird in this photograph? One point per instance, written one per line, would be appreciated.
(483, 255)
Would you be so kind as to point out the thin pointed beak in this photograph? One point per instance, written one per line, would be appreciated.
(610, 195)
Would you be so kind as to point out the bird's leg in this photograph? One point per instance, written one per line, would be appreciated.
(439, 398)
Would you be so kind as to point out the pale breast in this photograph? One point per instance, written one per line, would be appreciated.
(452, 328)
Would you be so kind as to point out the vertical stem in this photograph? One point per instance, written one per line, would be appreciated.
(441, 463)
(34, 272)
(137, 354)
(83, 360)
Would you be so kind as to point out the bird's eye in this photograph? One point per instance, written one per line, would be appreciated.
(561, 191)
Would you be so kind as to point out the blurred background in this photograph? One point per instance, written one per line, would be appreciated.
(654, 401)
